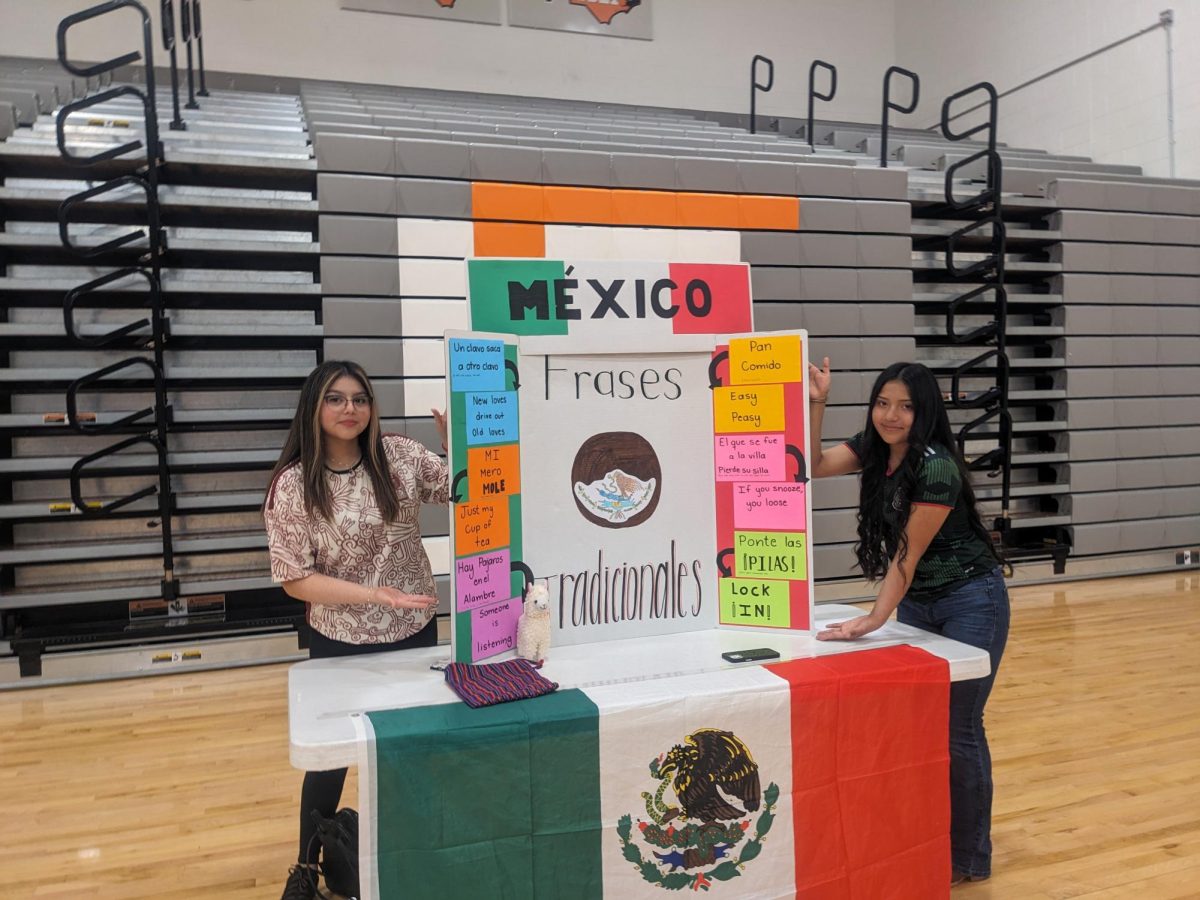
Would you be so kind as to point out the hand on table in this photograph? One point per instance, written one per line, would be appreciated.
(850, 629)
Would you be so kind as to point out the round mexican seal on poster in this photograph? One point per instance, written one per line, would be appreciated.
(616, 479)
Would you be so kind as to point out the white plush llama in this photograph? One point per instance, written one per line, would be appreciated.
(533, 628)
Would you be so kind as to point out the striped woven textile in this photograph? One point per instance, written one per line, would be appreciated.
(486, 685)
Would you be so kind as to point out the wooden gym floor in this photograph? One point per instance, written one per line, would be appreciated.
(179, 786)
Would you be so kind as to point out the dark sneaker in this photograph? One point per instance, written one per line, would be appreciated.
(301, 884)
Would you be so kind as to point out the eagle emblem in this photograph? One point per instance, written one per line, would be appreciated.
(704, 835)
(617, 496)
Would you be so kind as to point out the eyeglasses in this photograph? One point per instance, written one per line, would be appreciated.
(339, 401)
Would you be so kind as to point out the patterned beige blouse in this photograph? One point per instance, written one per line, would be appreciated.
(357, 545)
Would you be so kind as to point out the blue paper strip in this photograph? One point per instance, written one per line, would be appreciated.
(476, 365)
(491, 418)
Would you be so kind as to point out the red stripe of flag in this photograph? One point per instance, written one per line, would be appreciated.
(871, 774)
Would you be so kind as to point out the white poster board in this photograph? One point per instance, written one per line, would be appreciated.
(617, 505)
(650, 471)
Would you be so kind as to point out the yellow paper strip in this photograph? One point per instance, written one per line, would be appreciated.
(752, 408)
(765, 360)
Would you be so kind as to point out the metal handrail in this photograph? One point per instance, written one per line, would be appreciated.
(755, 87)
(198, 31)
(67, 205)
(982, 332)
(108, 65)
(69, 109)
(813, 94)
(991, 261)
(992, 103)
(149, 104)
(989, 202)
(85, 381)
(958, 396)
(76, 293)
(167, 14)
(147, 180)
(994, 179)
(89, 508)
(996, 458)
(185, 29)
(890, 105)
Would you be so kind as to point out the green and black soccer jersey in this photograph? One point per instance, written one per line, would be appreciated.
(956, 554)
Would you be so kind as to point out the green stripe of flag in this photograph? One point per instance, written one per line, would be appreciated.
(502, 801)
(488, 290)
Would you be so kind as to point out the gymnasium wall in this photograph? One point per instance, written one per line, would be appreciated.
(399, 216)
(1112, 108)
(699, 58)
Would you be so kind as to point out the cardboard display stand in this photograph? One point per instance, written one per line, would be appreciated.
(610, 437)
(485, 495)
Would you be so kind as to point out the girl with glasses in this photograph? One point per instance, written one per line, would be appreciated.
(342, 525)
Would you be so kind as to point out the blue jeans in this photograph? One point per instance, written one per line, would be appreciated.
(975, 613)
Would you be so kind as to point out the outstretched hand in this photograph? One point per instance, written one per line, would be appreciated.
(397, 599)
(849, 630)
(819, 381)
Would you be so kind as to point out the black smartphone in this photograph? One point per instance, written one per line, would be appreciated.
(758, 654)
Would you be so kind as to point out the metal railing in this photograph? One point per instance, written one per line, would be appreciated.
(755, 87)
(985, 218)
(185, 29)
(167, 15)
(198, 36)
(814, 94)
(889, 105)
(151, 424)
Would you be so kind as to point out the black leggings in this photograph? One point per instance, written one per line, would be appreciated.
(323, 790)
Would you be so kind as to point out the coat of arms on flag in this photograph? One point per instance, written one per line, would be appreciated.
(705, 836)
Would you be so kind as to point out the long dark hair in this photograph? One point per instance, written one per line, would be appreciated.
(878, 541)
(304, 444)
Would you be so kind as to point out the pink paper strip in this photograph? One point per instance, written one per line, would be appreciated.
(773, 507)
(750, 457)
(481, 579)
(494, 628)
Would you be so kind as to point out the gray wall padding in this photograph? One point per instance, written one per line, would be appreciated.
(360, 275)
(361, 154)
(1150, 534)
(359, 235)
(357, 194)
(1108, 382)
(362, 316)
(432, 159)
(382, 358)
(433, 199)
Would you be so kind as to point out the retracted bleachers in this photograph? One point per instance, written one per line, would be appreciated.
(243, 302)
(412, 182)
(1102, 334)
(1130, 283)
(1101, 269)
(497, 173)
(30, 88)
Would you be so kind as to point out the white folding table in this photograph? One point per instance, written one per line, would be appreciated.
(324, 695)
